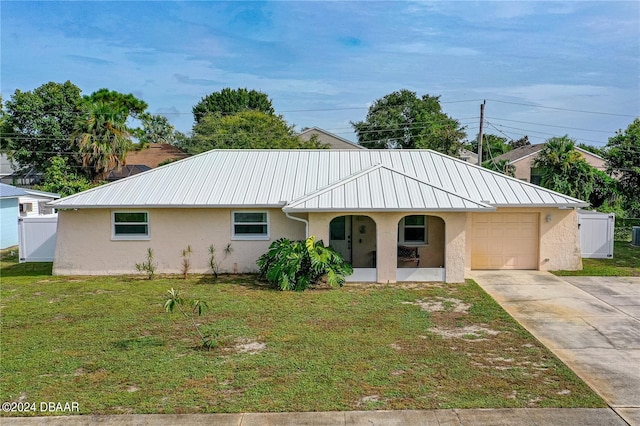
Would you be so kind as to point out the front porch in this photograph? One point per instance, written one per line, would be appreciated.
(389, 247)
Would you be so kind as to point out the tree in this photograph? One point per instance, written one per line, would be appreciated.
(60, 178)
(523, 141)
(157, 129)
(500, 166)
(492, 146)
(623, 160)
(134, 107)
(38, 125)
(244, 130)
(129, 105)
(229, 101)
(402, 120)
(564, 169)
(102, 138)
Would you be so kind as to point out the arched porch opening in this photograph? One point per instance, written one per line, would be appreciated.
(354, 237)
(421, 248)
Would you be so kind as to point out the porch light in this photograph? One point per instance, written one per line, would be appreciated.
(548, 218)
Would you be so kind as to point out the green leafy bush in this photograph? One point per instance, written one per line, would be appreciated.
(296, 265)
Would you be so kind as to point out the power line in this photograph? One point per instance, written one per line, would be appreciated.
(551, 125)
(563, 109)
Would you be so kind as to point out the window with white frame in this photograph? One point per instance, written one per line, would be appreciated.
(130, 225)
(412, 230)
(250, 225)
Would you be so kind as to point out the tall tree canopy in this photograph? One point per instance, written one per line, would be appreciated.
(623, 158)
(102, 138)
(157, 129)
(402, 120)
(231, 101)
(129, 104)
(564, 169)
(244, 130)
(38, 125)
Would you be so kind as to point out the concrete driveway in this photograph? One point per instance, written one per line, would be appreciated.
(591, 323)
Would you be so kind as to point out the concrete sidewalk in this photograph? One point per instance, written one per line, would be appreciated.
(480, 417)
(591, 323)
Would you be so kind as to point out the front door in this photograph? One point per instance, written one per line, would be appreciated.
(340, 236)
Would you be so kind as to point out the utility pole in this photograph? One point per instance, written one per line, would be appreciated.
(480, 133)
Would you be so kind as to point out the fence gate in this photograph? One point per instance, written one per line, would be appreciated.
(37, 238)
(596, 234)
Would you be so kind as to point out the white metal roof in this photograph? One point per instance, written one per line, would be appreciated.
(273, 178)
(382, 188)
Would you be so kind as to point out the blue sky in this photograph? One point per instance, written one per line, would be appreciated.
(538, 64)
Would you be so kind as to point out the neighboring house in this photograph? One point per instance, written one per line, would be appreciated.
(126, 171)
(149, 157)
(9, 213)
(6, 167)
(396, 215)
(26, 178)
(334, 141)
(522, 159)
(34, 203)
(468, 156)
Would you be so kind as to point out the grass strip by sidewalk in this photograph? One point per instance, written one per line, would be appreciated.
(106, 343)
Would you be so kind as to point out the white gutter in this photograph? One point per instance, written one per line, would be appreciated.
(299, 219)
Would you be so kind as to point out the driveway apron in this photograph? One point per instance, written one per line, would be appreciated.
(591, 323)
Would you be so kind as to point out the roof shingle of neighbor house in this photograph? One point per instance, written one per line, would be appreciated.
(423, 179)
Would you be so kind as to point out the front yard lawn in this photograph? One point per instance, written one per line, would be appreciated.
(107, 344)
(625, 263)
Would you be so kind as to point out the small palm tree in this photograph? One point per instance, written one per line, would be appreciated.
(102, 138)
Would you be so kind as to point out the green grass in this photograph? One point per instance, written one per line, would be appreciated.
(106, 343)
(625, 263)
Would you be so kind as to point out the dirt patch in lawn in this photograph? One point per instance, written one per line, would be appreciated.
(441, 304)
(247, 346)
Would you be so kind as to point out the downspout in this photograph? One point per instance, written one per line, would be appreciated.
(299, 219)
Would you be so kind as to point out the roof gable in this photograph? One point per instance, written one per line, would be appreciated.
(383, 188)
(273, 178)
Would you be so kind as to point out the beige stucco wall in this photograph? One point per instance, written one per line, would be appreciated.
(84, 245)
(387, 240)
(559, 247)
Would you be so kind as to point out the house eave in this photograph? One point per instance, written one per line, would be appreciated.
(372, 210)
(165, 206)
(542, 205)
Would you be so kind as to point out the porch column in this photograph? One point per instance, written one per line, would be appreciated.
(319, 226)
(387, 247)
(455, 243)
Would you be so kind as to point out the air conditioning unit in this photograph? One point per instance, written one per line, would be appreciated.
(635, 236)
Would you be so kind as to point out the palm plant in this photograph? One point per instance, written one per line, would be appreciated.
(564, 169)
(102, 138)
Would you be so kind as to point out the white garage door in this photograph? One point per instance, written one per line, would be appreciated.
(504, 241)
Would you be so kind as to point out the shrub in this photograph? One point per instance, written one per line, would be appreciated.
(296, 265)
(148, 265)
(186, 262)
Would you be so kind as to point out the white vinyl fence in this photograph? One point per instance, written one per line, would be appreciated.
(37, 238)
(596, 234)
